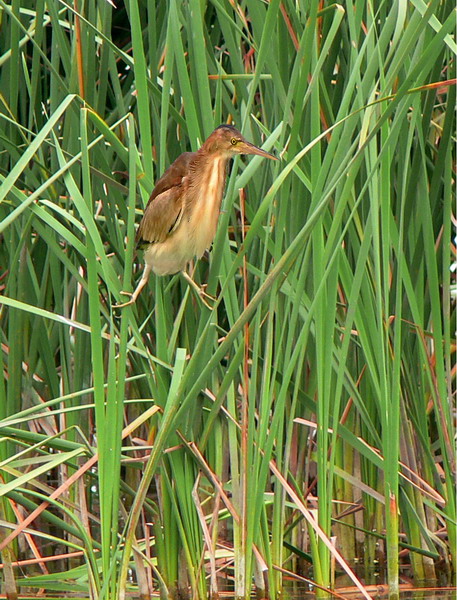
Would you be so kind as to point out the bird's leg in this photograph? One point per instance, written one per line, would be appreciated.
(201, 292)
(143, 281)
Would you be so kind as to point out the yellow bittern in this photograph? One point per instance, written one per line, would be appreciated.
(180, 219)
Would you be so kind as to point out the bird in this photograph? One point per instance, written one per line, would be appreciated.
(180, 220)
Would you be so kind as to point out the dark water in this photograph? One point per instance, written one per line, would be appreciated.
(377, 592)
(380, 592)
(301, 592)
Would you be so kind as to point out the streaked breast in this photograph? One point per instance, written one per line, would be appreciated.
(207, 204)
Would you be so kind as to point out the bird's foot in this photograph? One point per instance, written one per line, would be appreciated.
(200, 291)
(128, 303)
(203, 295)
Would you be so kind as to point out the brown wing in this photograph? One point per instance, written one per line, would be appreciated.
(161, 217)
(165, 208)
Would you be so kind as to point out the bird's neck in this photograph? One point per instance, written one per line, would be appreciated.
(206, 198)
(212, 180)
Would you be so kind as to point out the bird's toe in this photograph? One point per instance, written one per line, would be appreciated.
(122, 304)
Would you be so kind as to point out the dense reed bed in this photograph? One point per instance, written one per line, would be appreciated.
(305, 424)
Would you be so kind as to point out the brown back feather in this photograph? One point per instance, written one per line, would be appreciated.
(164, 208)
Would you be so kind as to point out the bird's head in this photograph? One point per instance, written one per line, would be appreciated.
(227, 141)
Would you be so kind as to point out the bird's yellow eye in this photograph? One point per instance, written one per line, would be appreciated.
(234, 141)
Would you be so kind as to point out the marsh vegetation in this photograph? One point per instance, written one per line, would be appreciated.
(305, 423)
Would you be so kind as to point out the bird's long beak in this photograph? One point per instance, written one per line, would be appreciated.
(248, 148)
